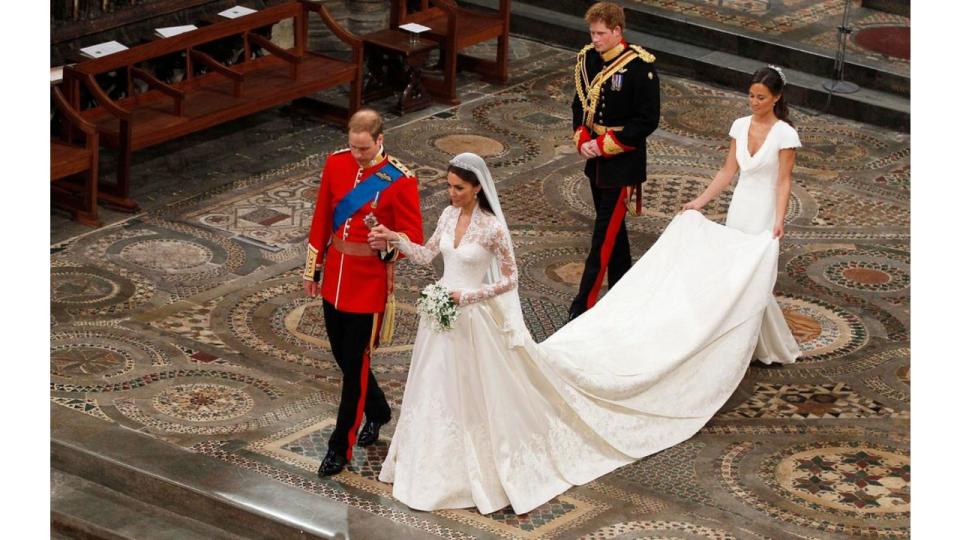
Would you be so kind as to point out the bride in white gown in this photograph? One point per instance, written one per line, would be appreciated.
(490, 418)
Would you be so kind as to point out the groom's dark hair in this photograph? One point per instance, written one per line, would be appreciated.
(470, 177)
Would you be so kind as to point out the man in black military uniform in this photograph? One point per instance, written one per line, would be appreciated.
(616, 106)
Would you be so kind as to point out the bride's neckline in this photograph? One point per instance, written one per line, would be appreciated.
(765, 137)
(458, 241)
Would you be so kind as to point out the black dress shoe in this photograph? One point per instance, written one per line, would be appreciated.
(370, 433)
(332, 464)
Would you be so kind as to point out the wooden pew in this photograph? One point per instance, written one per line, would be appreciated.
(166, 111)
(67, 158)
(457, 28)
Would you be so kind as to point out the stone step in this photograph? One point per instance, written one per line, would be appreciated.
(83, 509)
(745, 43)
(200, 488)
(804, 89)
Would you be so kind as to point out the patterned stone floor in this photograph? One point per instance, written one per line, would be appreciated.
(188, 323)
(811, 24)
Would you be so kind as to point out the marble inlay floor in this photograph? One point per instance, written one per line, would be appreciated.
(188, 322)
(808, 24)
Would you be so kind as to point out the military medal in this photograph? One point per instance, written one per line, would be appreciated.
(616, 82)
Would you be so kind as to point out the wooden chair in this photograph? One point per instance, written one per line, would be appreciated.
(68, 159)
(457, 28)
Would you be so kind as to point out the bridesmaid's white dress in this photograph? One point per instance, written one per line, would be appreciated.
(753, 210)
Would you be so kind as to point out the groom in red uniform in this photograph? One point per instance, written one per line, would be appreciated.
(360, 187)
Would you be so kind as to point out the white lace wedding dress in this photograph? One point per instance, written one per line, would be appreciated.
(490, 418)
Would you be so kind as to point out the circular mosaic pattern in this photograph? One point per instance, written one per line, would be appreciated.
(835, 148)
(903, 373)
(167, 255)
(850, 479)
(822, 331)
(699, 117)
(458, 143)
(664, 194)
(304, 321)
(203, 402)
(844, 487)
(867, 276)
(567, 273)
(887, 40)
(77, 287)
(808, 271)
(631, 528)
(90, 355)
(86, 361)
(552, 271)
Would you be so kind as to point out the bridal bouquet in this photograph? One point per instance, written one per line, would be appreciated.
(436, 303)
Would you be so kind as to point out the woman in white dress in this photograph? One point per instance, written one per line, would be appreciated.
(491, 418)
(763, 148)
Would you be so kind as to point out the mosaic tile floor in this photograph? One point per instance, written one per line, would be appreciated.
(810, 24)
(188, 322)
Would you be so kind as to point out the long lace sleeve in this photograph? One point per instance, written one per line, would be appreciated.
(424, 255)
(499, 243)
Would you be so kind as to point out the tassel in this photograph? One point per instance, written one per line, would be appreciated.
(389, 321)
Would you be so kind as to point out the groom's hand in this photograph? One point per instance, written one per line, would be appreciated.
(311, 288)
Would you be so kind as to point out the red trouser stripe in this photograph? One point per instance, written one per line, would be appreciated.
(362, 399)
(607, 248)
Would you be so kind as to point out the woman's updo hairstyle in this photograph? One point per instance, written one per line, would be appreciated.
(773, 78)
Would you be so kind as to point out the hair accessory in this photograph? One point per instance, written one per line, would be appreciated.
(779, 72)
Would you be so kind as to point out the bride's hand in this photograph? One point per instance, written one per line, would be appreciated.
(456, 297)
(778, 231)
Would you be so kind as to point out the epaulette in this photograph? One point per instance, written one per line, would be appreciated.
(585, 49)
(340, 151)
(403, 168)
(644, 54)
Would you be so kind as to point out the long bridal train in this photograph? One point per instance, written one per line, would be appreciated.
(488, 424)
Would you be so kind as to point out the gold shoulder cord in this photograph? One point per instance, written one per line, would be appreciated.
(644, 54)
(580, 78)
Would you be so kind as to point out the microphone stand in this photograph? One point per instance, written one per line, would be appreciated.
(837, 84)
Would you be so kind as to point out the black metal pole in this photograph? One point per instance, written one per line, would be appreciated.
(837, 84)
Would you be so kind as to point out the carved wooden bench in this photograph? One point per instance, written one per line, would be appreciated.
(166, 111)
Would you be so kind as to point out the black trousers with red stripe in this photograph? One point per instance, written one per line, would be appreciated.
(605, 201)
(349, 335)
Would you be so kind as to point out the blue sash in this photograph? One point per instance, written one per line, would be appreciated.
(364, 192)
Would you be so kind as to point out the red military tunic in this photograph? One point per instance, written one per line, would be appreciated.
(357, 283)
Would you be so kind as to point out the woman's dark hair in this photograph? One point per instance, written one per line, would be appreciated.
(774, 82)
(469, 177)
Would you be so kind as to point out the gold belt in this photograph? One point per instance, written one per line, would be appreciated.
(356, 249)
(600, 130)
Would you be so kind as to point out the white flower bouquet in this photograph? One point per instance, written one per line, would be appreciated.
(436, 304)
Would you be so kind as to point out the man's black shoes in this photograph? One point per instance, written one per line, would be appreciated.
(370, 433)
(332, 464)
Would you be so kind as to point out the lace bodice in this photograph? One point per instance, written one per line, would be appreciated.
(465, 266)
